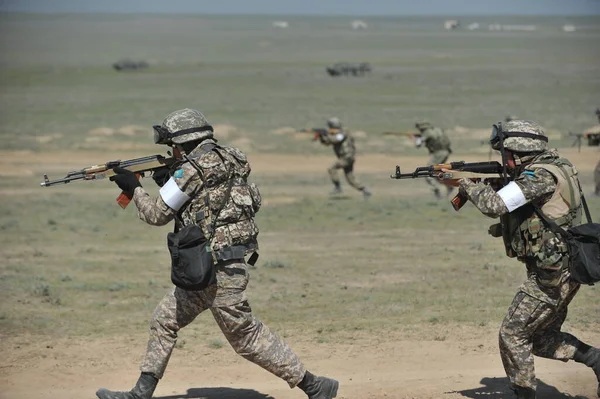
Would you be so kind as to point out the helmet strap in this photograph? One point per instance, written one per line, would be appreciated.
(503, 154)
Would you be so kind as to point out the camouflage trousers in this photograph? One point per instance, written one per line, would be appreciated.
(347, 164)
(532, 327)
(437, 157)
(227, 301)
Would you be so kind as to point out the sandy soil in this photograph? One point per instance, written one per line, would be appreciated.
(369, 367)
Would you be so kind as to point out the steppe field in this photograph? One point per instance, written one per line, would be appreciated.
(397, 297)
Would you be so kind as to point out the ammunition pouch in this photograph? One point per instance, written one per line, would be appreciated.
(237, 252)
(192, 264)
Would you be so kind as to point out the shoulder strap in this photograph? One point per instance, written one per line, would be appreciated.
(556, 228)
(226, 197)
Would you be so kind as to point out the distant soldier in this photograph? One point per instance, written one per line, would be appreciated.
(598, 114)
(438, 144)
(510, 118)
(345, 150)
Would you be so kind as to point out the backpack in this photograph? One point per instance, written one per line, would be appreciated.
(583, 244)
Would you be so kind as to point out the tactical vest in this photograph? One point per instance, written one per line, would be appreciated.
(345, 148)
(525, 234)
(436, 140)
(227, 196)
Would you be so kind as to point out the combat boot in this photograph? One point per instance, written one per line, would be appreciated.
(337, 189)
(524, 393)
(144, 389)
(366, 193)
(590, 357)
(318, 387)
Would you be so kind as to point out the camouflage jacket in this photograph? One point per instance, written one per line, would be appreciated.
(342, 142)
(548, 183)
(213, 172)
(435, 139)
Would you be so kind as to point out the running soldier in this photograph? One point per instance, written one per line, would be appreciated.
(209, 188)
(541, 182)
(345, 151)
(438, 144)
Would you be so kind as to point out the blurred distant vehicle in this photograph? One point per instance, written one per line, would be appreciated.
(281, 24)
(568, 28)
(592, 135)
(451, 24)
(349, 69)
(473, 26)
(358, 24)
(129, 65)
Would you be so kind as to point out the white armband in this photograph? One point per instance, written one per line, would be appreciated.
(512, 196)
(172, 195)
(339, 137)
(418, 142)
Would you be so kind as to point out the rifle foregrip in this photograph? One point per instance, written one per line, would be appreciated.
(458, 201)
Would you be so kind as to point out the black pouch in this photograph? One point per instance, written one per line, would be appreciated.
(583, 242)
(584, 251)
(192, 264)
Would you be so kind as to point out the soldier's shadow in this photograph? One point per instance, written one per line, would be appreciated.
(218, 393)
(498, 388)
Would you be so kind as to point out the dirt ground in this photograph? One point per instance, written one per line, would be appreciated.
(386, 366)
(390, 365)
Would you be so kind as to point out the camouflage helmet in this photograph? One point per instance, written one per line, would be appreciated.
(187, 125)
(520, 136)
(423, 124)
(334, 123)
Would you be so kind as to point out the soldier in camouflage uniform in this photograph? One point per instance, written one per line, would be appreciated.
(191, 193)
(438, 144)
(540, 179)
(344, 149)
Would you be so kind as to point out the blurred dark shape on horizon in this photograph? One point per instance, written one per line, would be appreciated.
(347, 68)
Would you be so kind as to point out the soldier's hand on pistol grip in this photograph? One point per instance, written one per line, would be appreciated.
(126, 180)
(161, 176)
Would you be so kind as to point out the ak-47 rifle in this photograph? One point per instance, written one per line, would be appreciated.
(98, 172)
(317, 132)
(456, 170)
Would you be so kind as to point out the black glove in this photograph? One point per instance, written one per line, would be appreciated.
(161, 176)
(126, 180)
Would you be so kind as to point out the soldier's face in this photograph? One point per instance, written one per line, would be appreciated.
(510, 160)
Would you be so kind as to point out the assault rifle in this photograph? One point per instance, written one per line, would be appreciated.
(98, 172)
(317, 132)
(456, 170)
